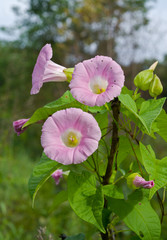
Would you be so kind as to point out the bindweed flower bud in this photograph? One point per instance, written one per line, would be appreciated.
(57, 175)
(17, 125)
(68, 72)
(135, 181)
(153, 66)
(156, 87)
(143, 79)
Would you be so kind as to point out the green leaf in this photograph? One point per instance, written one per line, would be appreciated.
(130, 105)
(128, 102)
(66, 101)
(124, 149)
(162, 125)
(113, 191)
(125, 90)
(138, 215)
(101, 154)
(41, 172)
(157, 169)
(150, 110)
(139, 102)
(79, 236)
(96, 109)
(102, 119)
(99, 158)
(85, 199)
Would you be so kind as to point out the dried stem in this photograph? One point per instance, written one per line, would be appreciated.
(115, 140)
(114, 148)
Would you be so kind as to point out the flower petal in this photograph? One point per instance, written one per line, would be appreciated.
(45, 70)
(54, 131)
(38, 72)
(97, 81)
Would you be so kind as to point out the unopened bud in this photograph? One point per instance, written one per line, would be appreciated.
(135, 181)
(153, 66)
(68, 72)
(57, 175)
(156, 87)
(143, 79)
(18, 126)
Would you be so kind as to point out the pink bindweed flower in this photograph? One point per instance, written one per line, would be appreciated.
(18, 126)
(70, 136)
(97, 81)
(57, 175)
(46, 70)
(136, 181)
(141, 182)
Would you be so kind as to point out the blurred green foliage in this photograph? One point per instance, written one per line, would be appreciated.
(18, 219)
(77, 30)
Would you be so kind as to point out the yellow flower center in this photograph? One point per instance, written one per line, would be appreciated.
(97, 89)
(71, 138)
(98, 85)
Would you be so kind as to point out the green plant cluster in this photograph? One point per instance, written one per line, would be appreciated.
(92, 197)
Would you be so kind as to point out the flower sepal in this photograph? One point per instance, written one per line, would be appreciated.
(156, 87)
(143, 79)
(68, 72)
(130, 180)
(153, 66)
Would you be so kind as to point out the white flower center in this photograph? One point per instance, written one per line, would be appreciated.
(71, 138)
(98, 85)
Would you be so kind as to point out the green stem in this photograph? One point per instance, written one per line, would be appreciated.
(107, 133)
(142, 137)
(135, 156)
(130, 134)
(135, 92)
(164, 192)
(134, 133)
(139, 130)
(112, 115)
(118, 179)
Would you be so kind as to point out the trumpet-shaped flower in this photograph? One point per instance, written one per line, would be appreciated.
(135, 181)
(70, 136)
(46, 70)
(97, 81)
(17, 125)
(57, 175)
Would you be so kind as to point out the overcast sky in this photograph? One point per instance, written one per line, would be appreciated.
(158, 25)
